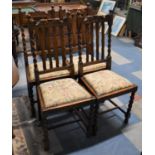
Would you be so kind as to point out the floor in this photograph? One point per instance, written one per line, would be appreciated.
(113, 138)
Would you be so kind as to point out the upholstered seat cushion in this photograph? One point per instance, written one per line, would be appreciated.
(55, 74)
(89, 68)
(62, 91)
(106, 81)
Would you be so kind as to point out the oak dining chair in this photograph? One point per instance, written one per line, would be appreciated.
(59, 91)
(103, 83)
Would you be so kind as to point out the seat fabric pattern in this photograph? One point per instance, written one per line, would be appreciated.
(62, 91)
(54, 74)
(90, 68)
(106, 81)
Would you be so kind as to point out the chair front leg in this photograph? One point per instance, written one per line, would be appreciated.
(128, 113)
(95, 118)
(91, 128)
(45, 133)
(30, 92)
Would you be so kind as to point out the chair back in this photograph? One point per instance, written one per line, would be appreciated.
(34, 17)
(62, 13)
(91, 30)
(48, 32)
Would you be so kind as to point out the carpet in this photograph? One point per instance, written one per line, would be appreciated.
(71, 139)
(19, 141)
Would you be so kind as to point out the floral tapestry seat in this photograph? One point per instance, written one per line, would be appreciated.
(55, 74)
(62, 93)
(106, 81)
(87, 69)
(63, 73)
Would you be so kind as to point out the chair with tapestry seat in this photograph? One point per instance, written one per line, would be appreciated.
(33, 18)
(29, 65)
(27, 33)
(104, 84)
(58, 93)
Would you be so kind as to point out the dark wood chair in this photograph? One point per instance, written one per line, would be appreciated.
(59, 92)
(104, 84)
(32, 18)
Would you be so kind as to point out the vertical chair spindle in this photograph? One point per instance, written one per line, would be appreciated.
(109, 40)
(97, 40)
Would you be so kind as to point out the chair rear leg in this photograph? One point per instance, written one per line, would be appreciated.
(45, 134)
(95, 114)
(90, 121)
(46, 140)
(39, 109)
(128, 113)
(30, 91)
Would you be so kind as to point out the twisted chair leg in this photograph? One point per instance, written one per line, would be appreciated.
(45, 134)
(128, 113)
(95, 114)
(39, 111)
(30, 92)
(90, 121)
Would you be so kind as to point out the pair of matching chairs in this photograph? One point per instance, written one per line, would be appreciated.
(104, 84)
(57, 86)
